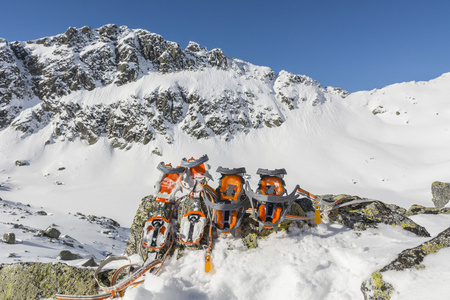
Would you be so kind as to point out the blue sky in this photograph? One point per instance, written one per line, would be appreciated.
(354, 44)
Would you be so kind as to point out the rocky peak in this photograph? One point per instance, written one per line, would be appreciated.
(53, 71)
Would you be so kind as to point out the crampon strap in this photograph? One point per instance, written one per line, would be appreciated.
(354, 202)
(225, 215)
(196, 171)
(118, 288)
(270, 210)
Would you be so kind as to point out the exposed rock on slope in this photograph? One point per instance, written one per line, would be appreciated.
(369, 215)
(375, 288)
(204, 93)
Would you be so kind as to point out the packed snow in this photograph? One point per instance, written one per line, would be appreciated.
(388, 144)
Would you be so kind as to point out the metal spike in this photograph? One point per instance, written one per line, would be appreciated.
(260, 227)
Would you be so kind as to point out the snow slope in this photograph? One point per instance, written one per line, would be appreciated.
(339, 146)
(388, 144)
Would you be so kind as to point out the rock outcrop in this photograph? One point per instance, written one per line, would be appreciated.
(43, 280)
(369, 215)
(441, 193)
(376, 288)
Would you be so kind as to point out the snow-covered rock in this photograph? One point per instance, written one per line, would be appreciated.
(377, 287)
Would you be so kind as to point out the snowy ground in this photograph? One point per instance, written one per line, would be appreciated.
(325, 262)
(337, 147)
(84, 235)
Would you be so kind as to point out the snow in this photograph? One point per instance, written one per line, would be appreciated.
(88, 237)
(327, 262)
(337, 146)
(436, 270)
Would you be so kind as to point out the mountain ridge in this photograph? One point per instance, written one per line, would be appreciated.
(50, 69)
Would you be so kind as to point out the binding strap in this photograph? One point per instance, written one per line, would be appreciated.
(270, 210)
(224, 216)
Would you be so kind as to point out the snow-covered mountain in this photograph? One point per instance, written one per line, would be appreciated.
(90, 113)
(132, 85)
(125, 88)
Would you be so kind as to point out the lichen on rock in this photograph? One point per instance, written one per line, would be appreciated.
(419, 209)
(375, 288)
(368, 215)
(34, 281)
(441, 193)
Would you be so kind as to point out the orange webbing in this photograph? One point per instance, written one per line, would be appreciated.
(270, 181)
(113, 279)
(208, 264)
(307, 193)
(219, 219)
(93, 297)
(262, 212)
(276, 214)
(123, 285)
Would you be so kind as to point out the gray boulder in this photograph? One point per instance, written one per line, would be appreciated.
(9, 238)
(90, 263)
(52, 232)
(441, 193)
(67, 255)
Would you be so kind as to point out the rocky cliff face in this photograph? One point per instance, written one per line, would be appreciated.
(202, 93)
